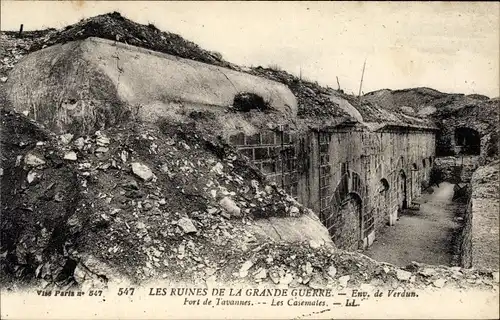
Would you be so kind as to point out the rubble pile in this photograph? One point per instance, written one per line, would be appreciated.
(11, 51)
(315, 102)
(141, 202)
(133, 196)
(313, 99)
(322, 268)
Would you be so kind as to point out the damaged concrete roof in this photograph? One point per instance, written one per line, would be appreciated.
(313, 104)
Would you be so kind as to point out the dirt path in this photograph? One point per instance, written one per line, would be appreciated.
(424, 236)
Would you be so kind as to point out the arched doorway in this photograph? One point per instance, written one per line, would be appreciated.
(402, 191)
(467, 141)
(349, 229)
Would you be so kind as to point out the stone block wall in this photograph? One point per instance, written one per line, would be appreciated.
(274, 153)
(466, 238)
(339, 173)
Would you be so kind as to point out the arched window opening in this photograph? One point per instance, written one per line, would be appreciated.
(468, 141)
(414, 166)
(424, 164)
(384, 185)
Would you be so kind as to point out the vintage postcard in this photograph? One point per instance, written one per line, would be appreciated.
(249, 160)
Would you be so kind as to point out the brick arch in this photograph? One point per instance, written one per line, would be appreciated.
(384, 185)
(348, 231)
(350, 182)
(346, 220)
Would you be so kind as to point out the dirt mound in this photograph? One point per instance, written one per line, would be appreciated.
(317, 102)
(313, 99)
(114, 26)
(419, 100)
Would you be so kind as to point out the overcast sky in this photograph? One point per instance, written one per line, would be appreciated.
(452, 47)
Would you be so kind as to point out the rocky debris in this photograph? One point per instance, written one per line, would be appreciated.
(495, 276)
(32, 160)
(11, 51)
(439, 283)
(294, 211)
(230, 207)
(66, 138)
(105, 212)
(332, 271)
(344, 280)
(186, 225)
(316, 244)
(70, 156)
(313, 99)
(101, 140)
(142, 171)
(117, 210)
(428, 272)
(403, 275)
(244, 268)
(32, 175)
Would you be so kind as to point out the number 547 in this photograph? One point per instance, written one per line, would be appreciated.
(126, 291)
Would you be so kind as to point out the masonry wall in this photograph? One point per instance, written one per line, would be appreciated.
(354, 179)
(466, 238)
(485, 217)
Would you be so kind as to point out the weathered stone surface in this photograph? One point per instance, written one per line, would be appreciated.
(439, 283)
(186, 225)
(403, 275)
(230, 206)
(66, 138)
(332, 271)
(142, 171)
(70, 156)
(33, 160)
(343, 280)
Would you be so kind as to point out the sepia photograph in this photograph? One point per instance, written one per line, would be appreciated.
(249, 160)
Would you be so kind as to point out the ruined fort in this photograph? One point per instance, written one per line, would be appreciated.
(353, 165)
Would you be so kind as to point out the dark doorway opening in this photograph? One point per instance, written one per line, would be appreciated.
(468, 140)
(403, 202)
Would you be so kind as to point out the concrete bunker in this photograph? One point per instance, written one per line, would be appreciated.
(467, 141)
